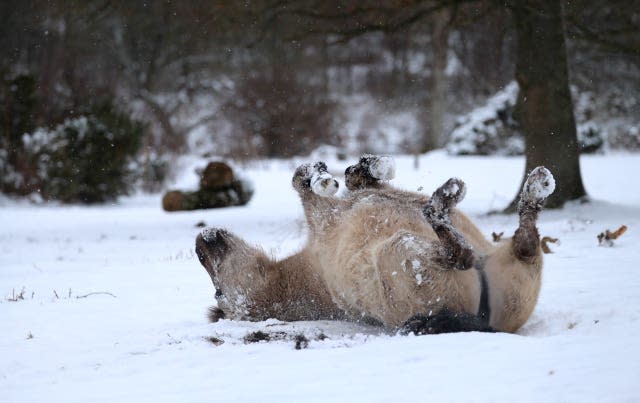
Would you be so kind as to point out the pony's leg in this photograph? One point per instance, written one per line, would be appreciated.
(316, 186)
(526, 240)
(458, 252)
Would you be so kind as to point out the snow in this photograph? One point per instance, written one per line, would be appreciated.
(483, 124)
(142, 335)
(491, 129)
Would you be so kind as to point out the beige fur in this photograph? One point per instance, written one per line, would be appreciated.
(369, 255)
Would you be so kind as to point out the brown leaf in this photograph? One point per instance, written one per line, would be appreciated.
(607, 236)
(617, 233)
(544, 244)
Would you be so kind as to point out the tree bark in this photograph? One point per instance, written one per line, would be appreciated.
(438, 91)
(545, 109)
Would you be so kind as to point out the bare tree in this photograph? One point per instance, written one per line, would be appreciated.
(438, 100)
(162, 56)
(545, 108)
(163, 48)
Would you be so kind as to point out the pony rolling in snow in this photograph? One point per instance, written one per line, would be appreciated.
(401, 259)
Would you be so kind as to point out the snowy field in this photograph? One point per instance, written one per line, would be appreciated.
(107, 304)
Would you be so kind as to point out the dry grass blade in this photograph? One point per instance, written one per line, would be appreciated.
(18, 297)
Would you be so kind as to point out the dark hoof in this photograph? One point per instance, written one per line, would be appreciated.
(306, 173)
(321, 182)
(381, 167)
(369, 171)
(539, 185)
(445, 198)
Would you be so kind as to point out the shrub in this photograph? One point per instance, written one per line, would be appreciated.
(86, 159)
(489, 129)
(590, 139)
(493, 129)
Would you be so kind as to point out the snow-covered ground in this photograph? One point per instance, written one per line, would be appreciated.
(111, 300)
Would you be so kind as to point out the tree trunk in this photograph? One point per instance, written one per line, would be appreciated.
(326, 66)
(545, 109)
(438, 93)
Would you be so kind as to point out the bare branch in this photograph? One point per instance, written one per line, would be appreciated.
(605, 38)
(356, 21)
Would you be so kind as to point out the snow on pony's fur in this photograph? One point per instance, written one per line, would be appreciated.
(399, 258)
